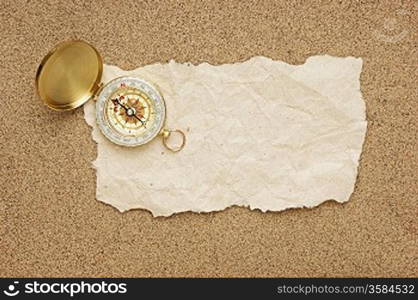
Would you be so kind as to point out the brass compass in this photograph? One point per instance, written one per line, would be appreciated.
(129, 111)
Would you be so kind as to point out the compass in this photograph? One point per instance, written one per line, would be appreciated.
(130, 111)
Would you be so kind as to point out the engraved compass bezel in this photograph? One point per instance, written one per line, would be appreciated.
(143, 86)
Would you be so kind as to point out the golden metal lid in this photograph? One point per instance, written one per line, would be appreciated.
(69, 75)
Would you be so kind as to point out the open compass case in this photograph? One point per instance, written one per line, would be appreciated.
(129, 111)
(69, 75)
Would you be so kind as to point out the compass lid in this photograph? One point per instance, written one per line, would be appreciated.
(69, 75)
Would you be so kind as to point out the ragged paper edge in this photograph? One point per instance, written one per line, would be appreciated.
(123, 207)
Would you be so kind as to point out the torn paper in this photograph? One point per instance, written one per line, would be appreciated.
(262, 134)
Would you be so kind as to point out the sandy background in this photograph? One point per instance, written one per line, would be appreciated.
(50, 222)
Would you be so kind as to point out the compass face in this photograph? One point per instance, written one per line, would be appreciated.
(130, 111)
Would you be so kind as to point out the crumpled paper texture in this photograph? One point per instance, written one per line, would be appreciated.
(261, 133)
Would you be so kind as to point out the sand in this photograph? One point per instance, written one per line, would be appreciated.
(50, 222)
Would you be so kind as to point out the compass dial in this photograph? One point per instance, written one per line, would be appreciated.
(130, 111)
